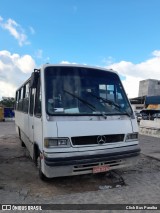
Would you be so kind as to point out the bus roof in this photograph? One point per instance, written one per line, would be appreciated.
(78, 65)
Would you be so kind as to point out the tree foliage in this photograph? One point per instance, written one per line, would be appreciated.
(7, 102)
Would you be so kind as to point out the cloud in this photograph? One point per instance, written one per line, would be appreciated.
(15, 30)
(64, 62)
(67, 62)
(25, 63)
(156, 53)
(108, 61)
(39, 54)
(149, 69)
(14, 70)
(32, 30)
(6, 89)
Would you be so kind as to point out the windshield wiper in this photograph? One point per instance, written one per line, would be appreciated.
(93, 108)
(112, 103)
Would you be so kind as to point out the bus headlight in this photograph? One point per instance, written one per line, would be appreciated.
(132, 137)
(56, 142)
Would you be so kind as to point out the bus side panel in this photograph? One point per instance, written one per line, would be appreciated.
(134, 125)
(50, 129)
(22, 128)
(21, 120)
(38, 132)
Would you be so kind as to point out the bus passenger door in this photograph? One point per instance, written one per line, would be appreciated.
(31, 121)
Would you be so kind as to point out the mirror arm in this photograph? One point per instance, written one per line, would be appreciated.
(34, 78)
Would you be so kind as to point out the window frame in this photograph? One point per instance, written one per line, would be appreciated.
(37, 95)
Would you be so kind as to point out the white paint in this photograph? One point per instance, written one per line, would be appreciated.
(36, 129)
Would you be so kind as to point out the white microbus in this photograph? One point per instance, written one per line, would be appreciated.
(76, 119)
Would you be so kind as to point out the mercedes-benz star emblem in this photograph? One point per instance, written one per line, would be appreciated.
(101, 139)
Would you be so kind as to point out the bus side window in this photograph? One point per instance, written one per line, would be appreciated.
(20, 99)
(26, 98)
(37, 110)
(31, 101)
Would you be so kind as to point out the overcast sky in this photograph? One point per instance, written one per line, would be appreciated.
(120, 34)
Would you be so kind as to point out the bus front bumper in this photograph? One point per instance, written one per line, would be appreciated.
(84, 164)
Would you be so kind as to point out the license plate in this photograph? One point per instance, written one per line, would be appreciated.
(98, 169)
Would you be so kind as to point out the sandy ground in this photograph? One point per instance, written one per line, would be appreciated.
(20, 184)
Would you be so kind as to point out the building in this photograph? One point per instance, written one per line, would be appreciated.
(149, 87)
(137, 103)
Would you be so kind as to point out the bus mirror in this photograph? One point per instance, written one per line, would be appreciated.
(34, 79)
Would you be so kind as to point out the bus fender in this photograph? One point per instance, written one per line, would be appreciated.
(35, 153)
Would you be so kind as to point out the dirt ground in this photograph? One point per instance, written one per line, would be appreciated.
(19, 181)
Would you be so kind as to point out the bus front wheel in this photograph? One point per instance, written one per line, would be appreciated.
(41, 175)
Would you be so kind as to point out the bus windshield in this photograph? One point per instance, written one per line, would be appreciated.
(84, 91)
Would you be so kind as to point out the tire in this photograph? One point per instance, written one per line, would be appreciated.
(23, 144)
(35, 155)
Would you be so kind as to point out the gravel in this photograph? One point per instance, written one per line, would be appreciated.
(20, 184)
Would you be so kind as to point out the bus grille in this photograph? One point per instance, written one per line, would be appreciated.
(97, 139)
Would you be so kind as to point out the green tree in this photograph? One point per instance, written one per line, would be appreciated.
(7, 102)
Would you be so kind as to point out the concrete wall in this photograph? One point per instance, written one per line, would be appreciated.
(150, 128)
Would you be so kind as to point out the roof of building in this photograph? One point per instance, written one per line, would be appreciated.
(137, 100)
(152, 100)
